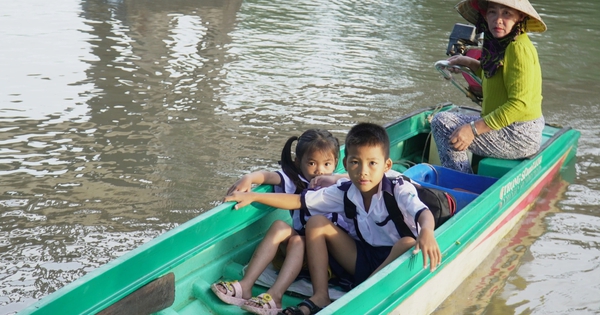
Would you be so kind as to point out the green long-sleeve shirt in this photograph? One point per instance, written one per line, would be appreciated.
(514, 92)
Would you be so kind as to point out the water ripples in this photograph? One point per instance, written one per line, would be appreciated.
(122, 119)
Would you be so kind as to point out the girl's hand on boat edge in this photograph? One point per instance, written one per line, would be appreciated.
(243, 184)
(428, 245)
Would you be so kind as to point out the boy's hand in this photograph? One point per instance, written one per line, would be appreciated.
(242, 198)
(428, 245)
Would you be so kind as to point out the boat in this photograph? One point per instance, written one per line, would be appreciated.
(172, 273)
(494, 272)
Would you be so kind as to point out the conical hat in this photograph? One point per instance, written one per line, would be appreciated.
(467, 8)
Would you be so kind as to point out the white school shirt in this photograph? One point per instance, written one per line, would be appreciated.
(331, 199)
(287, 186)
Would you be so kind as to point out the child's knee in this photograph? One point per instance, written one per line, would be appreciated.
(280, 230)
(295, 240)
(317, 221)
(279, 225)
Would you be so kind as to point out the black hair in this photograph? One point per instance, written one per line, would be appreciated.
(312, 140)
(368, 134)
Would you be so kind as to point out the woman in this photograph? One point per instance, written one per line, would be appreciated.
(511, 122)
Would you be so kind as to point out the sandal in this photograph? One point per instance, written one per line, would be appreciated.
(295, 310)
(232, 294)
(266, 305)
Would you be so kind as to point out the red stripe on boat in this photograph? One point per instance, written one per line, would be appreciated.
(529, 199)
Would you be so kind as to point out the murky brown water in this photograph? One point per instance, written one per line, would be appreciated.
(122, 119)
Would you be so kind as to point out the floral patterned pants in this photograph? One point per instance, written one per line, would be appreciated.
(516, 141)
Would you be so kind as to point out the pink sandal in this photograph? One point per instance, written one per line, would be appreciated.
(232, 294)
(266, 305)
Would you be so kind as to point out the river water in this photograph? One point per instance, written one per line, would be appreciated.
(122, 119)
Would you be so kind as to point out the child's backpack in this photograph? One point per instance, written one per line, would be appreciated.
(441, 204)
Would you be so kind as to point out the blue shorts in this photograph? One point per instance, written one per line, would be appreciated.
(368, 258)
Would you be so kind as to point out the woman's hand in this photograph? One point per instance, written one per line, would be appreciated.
(462, 137)
(464, 61)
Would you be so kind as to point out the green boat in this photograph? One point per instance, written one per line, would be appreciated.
(172, 274)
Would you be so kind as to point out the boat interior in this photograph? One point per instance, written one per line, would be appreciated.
(412, 156)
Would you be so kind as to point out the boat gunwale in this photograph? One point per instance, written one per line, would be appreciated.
(73, 290)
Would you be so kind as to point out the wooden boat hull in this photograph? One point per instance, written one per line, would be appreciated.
(218, 243)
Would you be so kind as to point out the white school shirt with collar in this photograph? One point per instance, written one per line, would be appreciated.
(287, 186)
(331, 199)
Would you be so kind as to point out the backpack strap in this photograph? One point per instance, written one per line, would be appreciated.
(394, 211)
(350, 208)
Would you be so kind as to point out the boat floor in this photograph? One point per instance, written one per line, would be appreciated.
(201, 300)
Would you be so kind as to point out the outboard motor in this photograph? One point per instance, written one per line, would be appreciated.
(462, 36)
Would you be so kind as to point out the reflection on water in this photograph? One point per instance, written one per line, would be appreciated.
(122, 119)
(540, 267)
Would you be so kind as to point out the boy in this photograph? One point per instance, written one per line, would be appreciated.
(372, 240)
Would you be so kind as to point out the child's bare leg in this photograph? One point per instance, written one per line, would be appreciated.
(290, 269)
(322, 237)
(263, 255)
(401, 246)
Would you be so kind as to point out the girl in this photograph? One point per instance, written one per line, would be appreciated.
(317, 153)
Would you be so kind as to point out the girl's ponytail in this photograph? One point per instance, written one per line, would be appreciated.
(289, 166)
